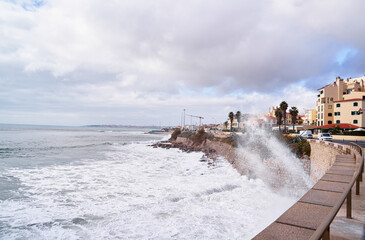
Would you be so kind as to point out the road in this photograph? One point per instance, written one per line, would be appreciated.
(360, 143)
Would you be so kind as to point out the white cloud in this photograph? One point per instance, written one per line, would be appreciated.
(196, 42)
(161, 55)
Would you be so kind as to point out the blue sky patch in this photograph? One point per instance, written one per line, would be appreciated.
(345, 54)
(32, 5)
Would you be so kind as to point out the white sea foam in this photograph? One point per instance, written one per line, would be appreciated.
(139, 192)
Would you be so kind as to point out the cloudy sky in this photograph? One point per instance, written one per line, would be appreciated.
(142, 62)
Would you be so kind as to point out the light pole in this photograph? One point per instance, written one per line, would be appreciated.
(184, 119)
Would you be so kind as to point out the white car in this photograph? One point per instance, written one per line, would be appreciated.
(324, 136)
(306, 134)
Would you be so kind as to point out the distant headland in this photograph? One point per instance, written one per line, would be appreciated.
(122, 126)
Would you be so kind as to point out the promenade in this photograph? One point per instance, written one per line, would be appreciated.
(331, 209)
(344, 228)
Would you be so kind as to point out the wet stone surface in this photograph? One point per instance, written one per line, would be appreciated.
(283, 231)
(305, 215)
(331, 186)
(321, 197)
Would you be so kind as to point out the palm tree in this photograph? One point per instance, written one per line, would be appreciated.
(294, 113)
(226, 124)
(231, 116)
(283, 107)
(238, 116)
(278, 116)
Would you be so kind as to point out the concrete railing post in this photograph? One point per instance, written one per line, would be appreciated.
(349, 205)
(326, 234)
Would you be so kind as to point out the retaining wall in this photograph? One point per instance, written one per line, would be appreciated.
(323, 155)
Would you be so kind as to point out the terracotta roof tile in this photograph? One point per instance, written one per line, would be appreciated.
(349, 100)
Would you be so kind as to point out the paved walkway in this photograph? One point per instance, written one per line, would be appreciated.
(344, 228)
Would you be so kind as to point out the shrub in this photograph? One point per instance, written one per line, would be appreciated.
(229, 140)
(305, 147)
(199, 137)
(175, 134)
(301, 148)
(298, 145)
(354, 133)
(336, 130)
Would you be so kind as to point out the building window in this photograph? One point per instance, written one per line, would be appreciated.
(337, 114)
(355, 113)
(319, 109)
(348, 91)
(321, 115)
(321, 123)
(330, 114)
(338, 105)
(322, 108)
(355, 121)
(355, 104)
(329, 122)
(331, 99)
(329, 106)
(337, 121)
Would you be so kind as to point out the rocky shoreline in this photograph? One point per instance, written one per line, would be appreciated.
(213, 149)
(208, 152)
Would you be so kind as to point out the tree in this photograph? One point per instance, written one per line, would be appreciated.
(226, 124)
(336, 130)
(283, 108)
(231, 117)
(278, 116)
(294, 113)
(238, 116)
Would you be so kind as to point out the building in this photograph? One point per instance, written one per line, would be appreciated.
(271, 114)
(235, 121)
(300, 119)
(342, 102)
(269, 122)
(257, 120)
(310, 117)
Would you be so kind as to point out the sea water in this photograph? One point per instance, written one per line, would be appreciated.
(95, 183)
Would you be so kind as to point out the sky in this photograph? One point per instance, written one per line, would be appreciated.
(142, 62)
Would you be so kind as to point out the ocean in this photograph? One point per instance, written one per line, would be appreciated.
(108, 183)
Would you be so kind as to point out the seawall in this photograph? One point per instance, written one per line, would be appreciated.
(323, 155)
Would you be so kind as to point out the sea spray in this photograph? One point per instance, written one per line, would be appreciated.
(262, 155)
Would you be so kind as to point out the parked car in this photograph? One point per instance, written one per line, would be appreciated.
(306, 134)
(324, 136)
